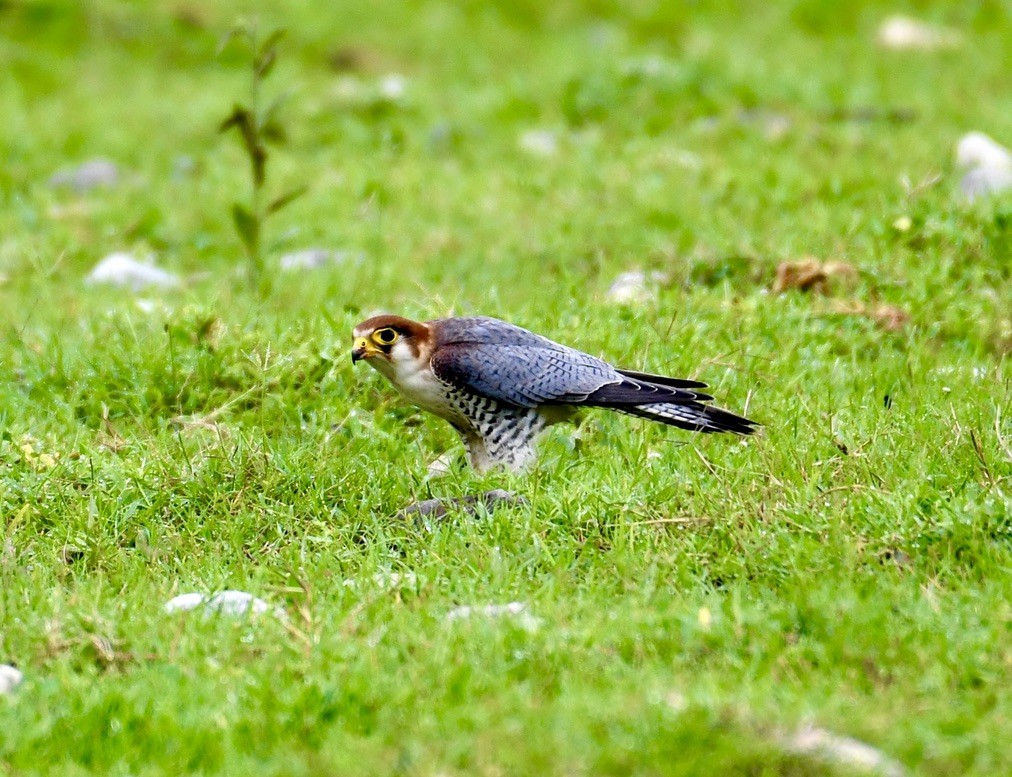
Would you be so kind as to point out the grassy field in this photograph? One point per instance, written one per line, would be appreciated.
(690, 601)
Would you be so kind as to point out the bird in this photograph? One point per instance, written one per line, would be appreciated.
(499, 385)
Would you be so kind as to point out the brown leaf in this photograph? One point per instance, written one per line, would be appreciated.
(809, 274)
(346, 59)
(889, 317)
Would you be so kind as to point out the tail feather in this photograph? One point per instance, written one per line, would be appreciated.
(670, 401)
(692, 416)
(662, 380)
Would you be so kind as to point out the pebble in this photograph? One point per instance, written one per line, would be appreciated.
(122, 269)
(10, 678)
(635, 287)
(849, 754)
(231, 603)
(988, 165)
(441, 465)
(986, 181)
(773, 125)
(904, 33)
(975, 149)
(539, 142)
(314, 258)
(516, 610)
(86, 176)
(393, 86)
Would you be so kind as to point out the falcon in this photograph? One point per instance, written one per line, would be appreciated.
(500, 385)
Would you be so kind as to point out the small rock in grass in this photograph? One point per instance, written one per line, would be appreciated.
(516, 610)
(539, 142)
(844, 752)
(393, 86)
(10, 678)
(86, 176)
(635, 287)
(313, 259)
(975, 149)
(904, 33)
(773, 125)
(230, 603)
(986, 181)
(121, 269)
(989, 166)
(439, 507)
(442, 465)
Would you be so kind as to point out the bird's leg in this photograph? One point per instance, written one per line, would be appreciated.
(511, 440)
(477, 454)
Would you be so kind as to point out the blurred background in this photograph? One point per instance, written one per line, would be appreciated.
(577, 139)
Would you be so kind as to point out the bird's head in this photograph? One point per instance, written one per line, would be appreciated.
(389, 342)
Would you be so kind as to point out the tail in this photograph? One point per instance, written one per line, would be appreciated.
(693, 416)
(670, 401)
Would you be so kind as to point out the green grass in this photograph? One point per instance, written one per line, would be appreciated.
(699, 598)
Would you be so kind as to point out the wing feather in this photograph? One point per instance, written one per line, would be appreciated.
(522, 375)
(516, 367)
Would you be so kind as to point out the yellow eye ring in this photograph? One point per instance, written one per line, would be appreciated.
(385, 336)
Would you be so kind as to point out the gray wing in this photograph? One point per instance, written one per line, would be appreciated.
(522, 375)
(509, 364)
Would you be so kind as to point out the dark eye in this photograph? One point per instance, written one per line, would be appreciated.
(386, 336)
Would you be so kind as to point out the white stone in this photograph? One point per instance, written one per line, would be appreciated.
(635, 287)
(122, 269)
(986, 181)
(10, 678)
(315, 258)
(902, 32)
(231, 603)
(975, 149)
(184, 602)
(393, 86)
(539, 142)
(442, 465)
(86, 176)
(515, 610)
(845, 752)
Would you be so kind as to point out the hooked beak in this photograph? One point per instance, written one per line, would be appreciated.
(363, 349)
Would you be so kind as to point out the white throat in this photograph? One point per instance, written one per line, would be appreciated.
(413, 376)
